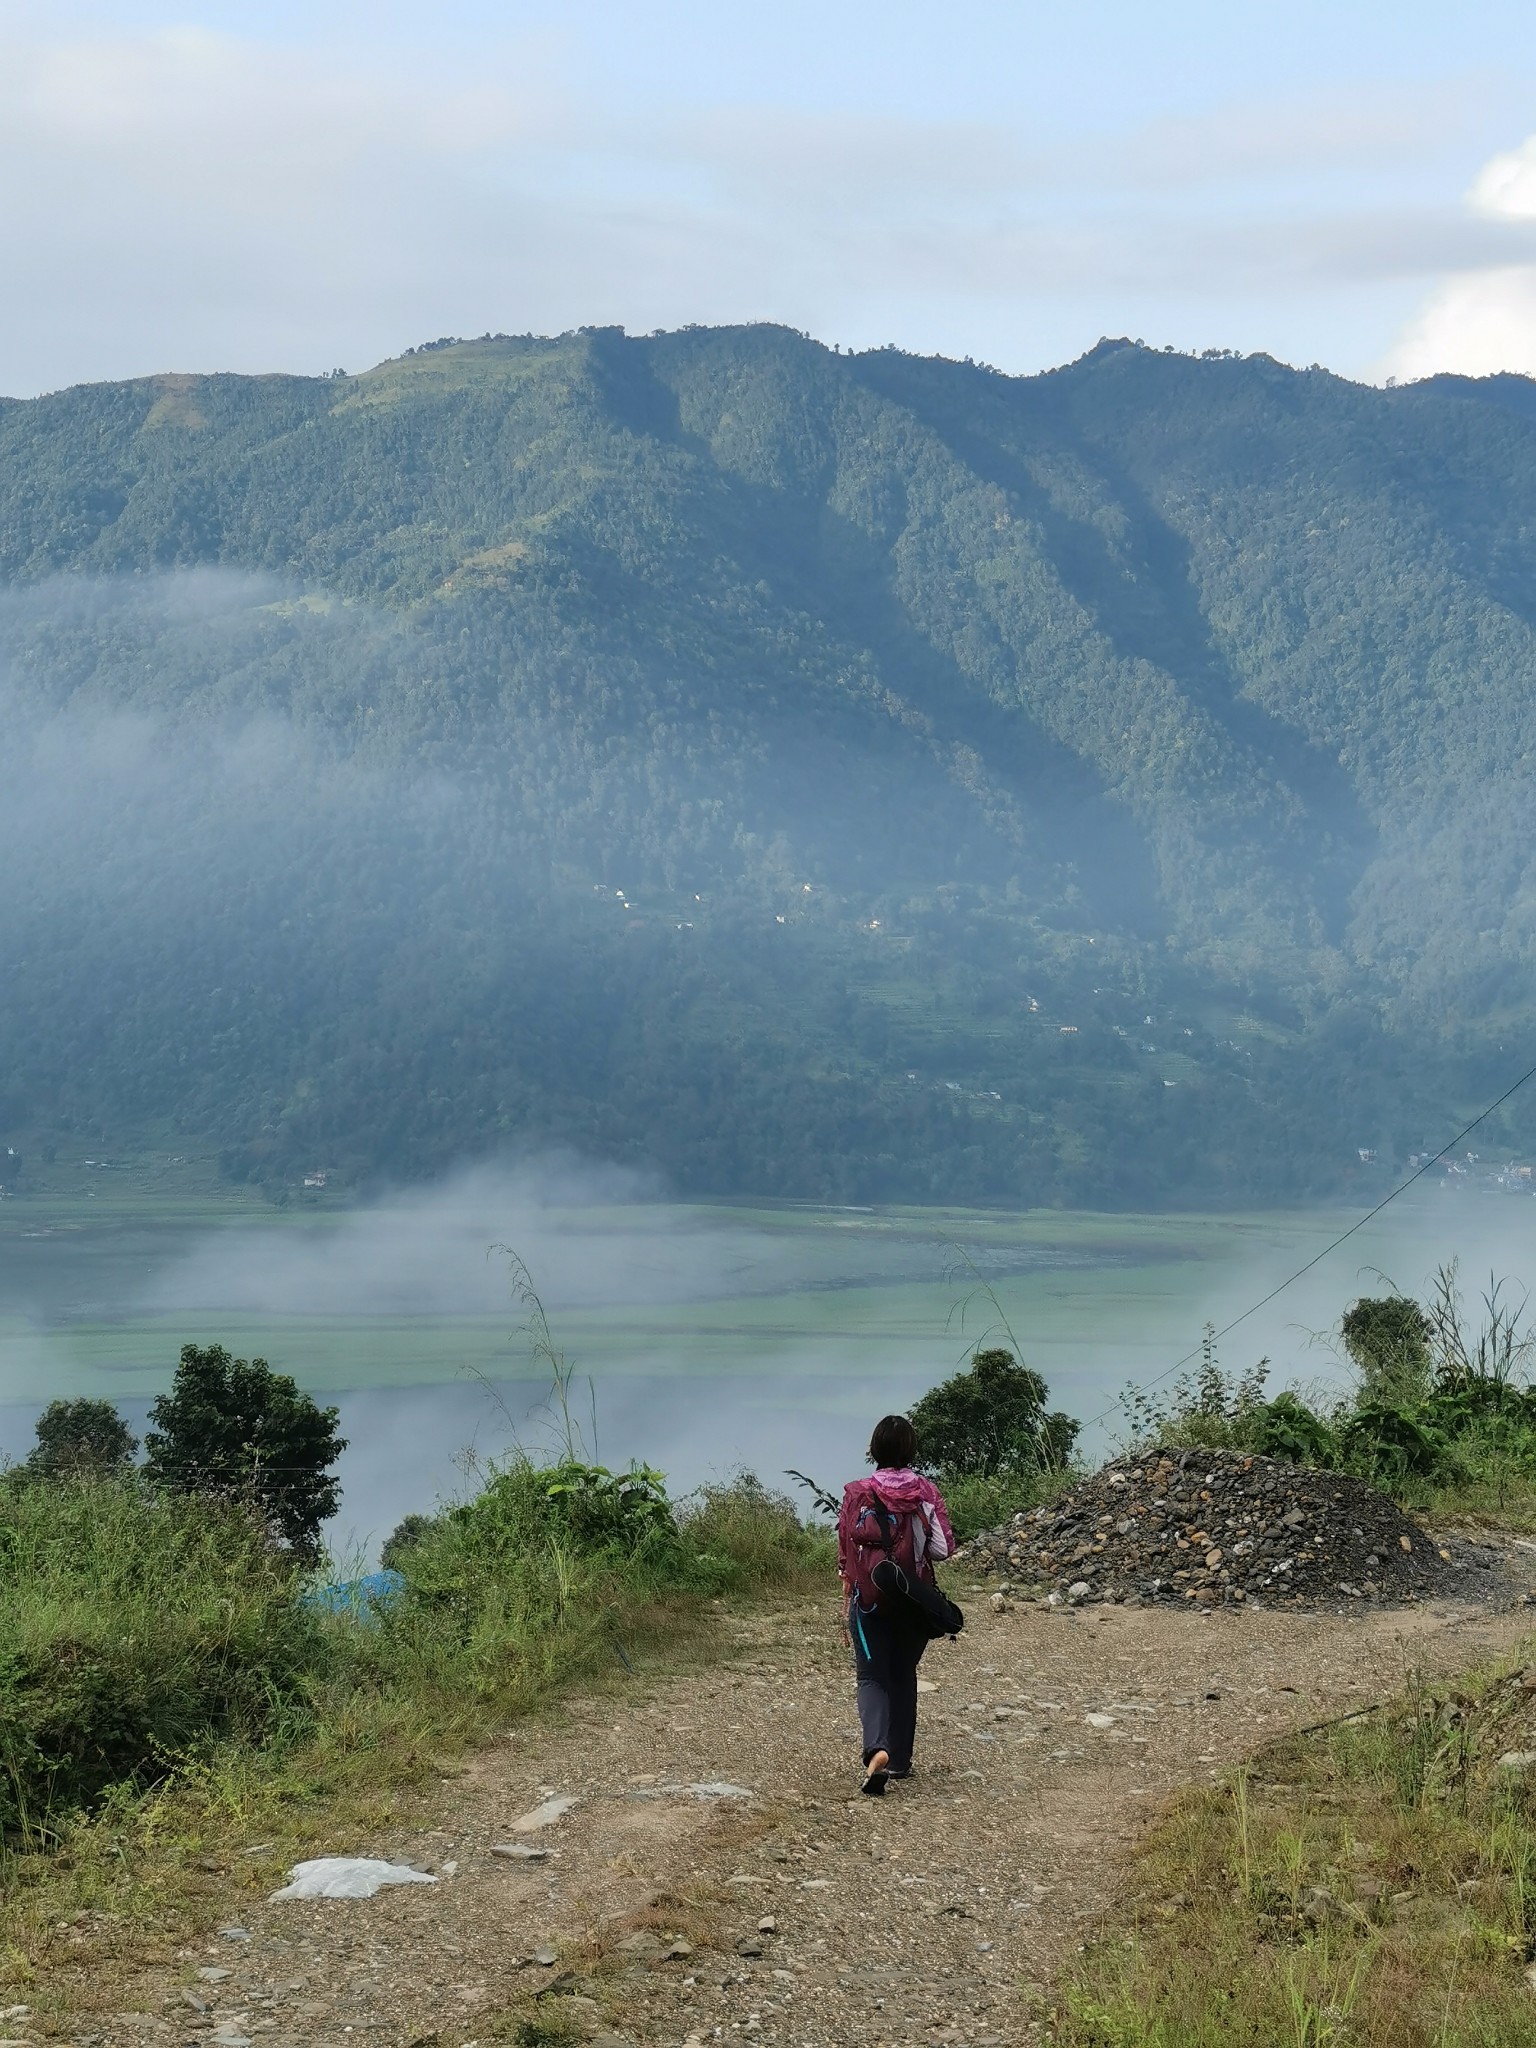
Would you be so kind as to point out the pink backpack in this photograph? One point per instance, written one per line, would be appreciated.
(878, 1531)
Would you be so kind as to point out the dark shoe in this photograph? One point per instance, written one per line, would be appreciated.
(899, 1771)
(876, 1772)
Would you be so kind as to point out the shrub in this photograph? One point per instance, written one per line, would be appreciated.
(1207, 1406)
(991, 1419)
(1287, 1428)
(1388, 1338)
(595, 1512)
(753, 1535)
(135, 1630)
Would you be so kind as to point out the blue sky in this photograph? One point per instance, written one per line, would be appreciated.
(217, 185)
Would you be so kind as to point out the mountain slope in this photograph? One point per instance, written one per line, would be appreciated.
(711, 725)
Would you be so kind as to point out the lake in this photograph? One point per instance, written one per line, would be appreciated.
(707, 1336)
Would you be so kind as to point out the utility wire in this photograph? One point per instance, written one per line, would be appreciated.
(1402, 1187)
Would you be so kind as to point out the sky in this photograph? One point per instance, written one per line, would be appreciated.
(222, 185)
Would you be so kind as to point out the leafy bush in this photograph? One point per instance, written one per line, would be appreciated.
(1207, 1406)
(1388, 1339)
(1287, 1428)
(753, 1536)
(991, 1419)
(595, 1512)
(135, 1629)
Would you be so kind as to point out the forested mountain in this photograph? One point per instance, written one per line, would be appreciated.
(830, 775)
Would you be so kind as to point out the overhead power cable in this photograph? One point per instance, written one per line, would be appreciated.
(1343, 1238)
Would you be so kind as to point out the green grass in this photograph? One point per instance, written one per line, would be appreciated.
(167, 1693)
(1372, 1885)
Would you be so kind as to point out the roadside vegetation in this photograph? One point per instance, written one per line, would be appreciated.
(177, 1678)
(1441, 1415)
(1371, 1883)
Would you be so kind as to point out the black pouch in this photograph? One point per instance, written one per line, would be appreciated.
(920, 1599)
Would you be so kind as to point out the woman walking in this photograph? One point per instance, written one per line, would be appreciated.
(892, 1528)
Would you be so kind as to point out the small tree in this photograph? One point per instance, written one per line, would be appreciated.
(81, 1440)
(1388, 1338)
(992, 1418)
(233, 1426)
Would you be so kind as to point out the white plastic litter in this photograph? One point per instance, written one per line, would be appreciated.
(346, 1877)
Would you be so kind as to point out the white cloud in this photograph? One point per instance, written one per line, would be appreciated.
(1506, 187)
(1484, 321)
(192, 200)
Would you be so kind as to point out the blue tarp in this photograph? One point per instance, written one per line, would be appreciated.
(357, 1596)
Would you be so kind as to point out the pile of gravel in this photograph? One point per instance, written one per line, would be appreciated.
(1218, 1527)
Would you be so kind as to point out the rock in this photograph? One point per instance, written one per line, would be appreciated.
(546, 1958)
(234, 1934)
(677, 1950)
(749, 1945)
(519, 1852)
(214, 1973)
(543, 1816)
(1517, 1761)
(926, 1685)
(197, 2004)
(767, 1925)
(1100, 1721)
(1079, 1590)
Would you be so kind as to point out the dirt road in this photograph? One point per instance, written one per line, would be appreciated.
(801, 1914)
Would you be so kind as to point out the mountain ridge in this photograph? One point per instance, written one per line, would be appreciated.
(1221, 669)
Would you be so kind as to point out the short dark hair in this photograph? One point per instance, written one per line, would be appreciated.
(893, 1441)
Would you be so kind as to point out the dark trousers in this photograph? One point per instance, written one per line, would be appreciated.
(887, 1650)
